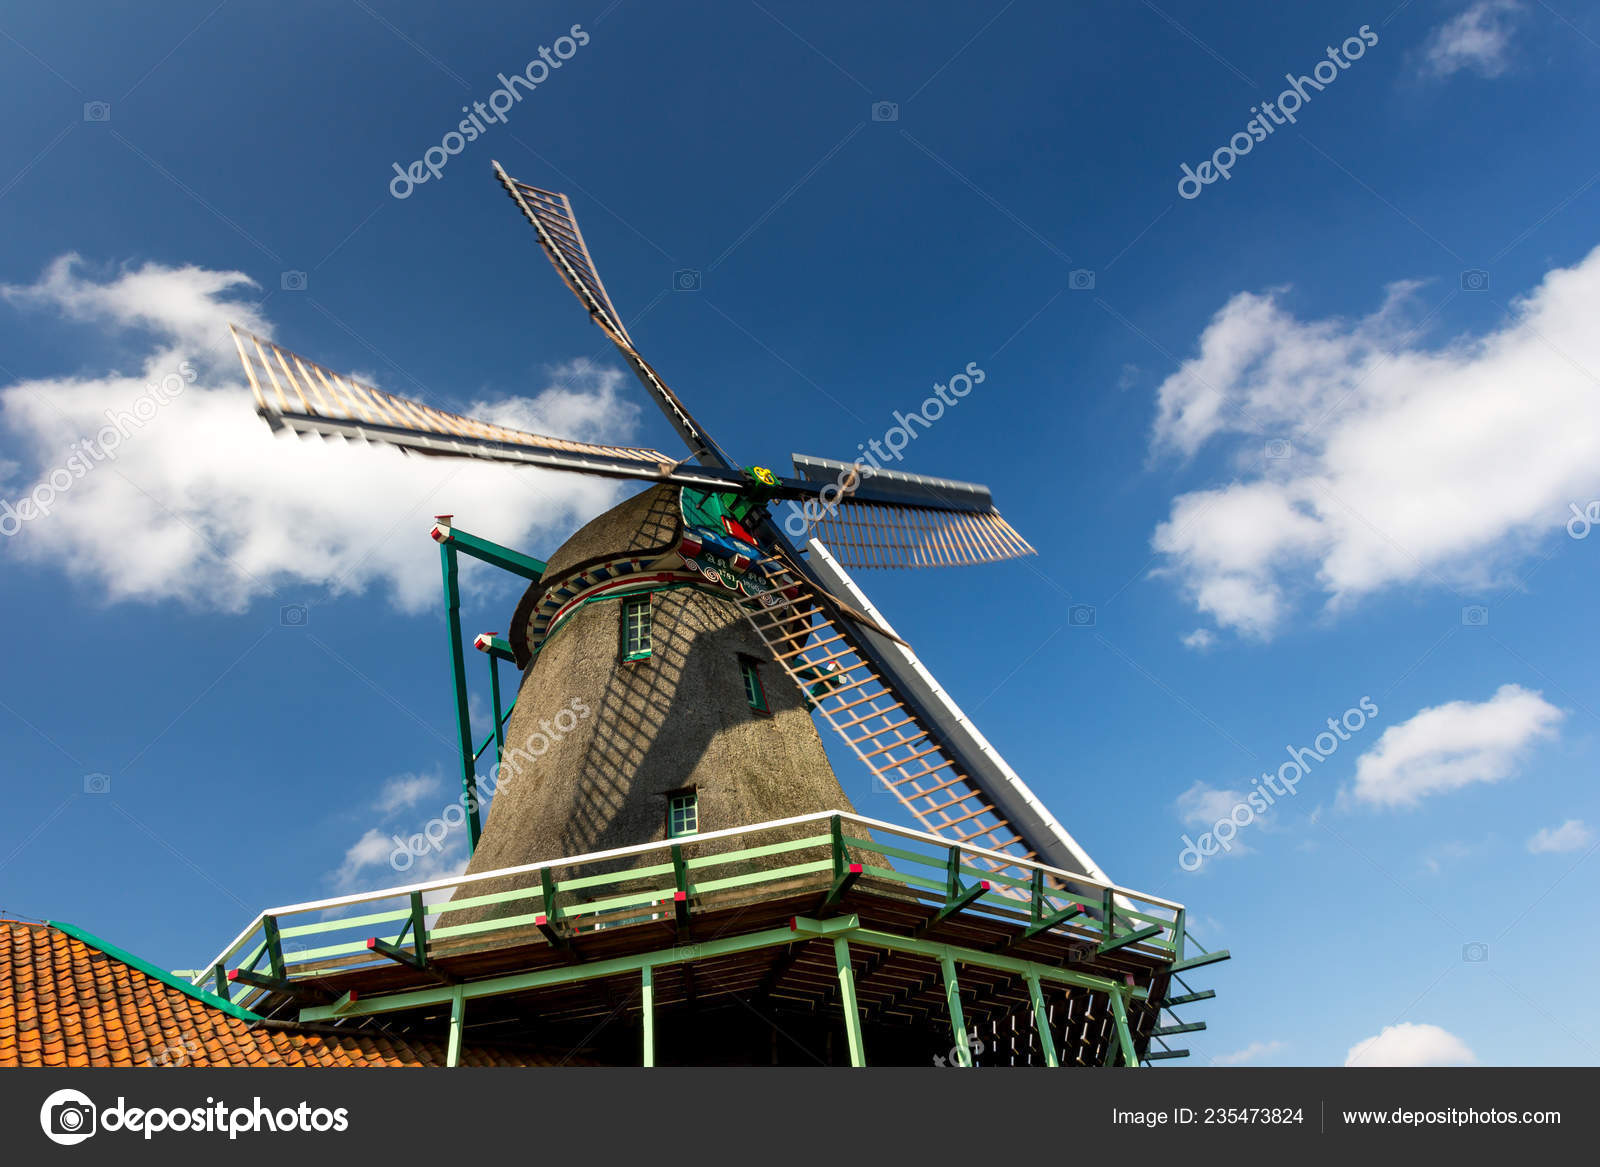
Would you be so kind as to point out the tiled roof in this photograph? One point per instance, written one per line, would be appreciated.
(66, 1003)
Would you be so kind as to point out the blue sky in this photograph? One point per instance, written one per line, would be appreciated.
(1312, 436)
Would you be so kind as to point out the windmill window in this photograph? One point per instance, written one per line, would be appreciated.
(683, 814)
(753, 691)
(635, 627)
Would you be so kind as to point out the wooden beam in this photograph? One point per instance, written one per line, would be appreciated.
(958, 1022)
(1041, 1021)
(841, 886)
(1142, 934)
(1197, 961)
(847, 1000)
(1189, 998)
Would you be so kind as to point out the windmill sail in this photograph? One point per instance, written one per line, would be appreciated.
(888, 518)
(551, 215)
(895, 718)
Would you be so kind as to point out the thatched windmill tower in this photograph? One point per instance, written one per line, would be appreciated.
(649, 707)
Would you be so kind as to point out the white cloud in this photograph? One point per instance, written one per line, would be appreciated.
(1449, 746)
(1476, 40)
(370, 850)
(1409, 1044)
(1572, 835)
(204, 505)
(406, 790)
(1404, 464)
(1202, 805)
(1200, 639)
(1253, 1052)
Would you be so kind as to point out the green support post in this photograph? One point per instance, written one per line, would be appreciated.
(450, 566)
(219, 976)
(1041, 1021)
(647, 1012)
(1119, 1008)
(458, 1008)
(269, 929)
(419, 929)
(494, 693)
(504, 558)
(847, 1001)
(958, 1021)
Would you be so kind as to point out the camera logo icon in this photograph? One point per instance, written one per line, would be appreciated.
(1474, 279)
(293, 615)
(1081, 615)
(97, 111)
(97, 783)
(67, 1117)
(1475, 953)
(1278, 449)
(886, 111)
(686, 280)
(1475, 616)
(1080, 279)
(294, 281)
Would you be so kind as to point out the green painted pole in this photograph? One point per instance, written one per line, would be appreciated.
(847, 1001)
(647, 1012)
(1041, 1021)
(458, 674)
(1119, 1008)
(499, 718)
(958, 1021)
(458, 1008)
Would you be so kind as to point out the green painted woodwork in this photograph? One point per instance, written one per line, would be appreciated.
(1050, 921)
(1198, 961)
(683, 814)
(499, 715)
(958, 1021)
(1170, 1030)
(635, 626)
(1119, 1009)
(458, 1009)
(1041, 1020)
(502, 557)
(450, 567)
(1189, 998)
(166, 978)
(1129, 938)
(847, 1001)
(754, 693)
(269, 929)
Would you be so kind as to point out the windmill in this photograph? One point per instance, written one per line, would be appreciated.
(689, 770)
(817, 624)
